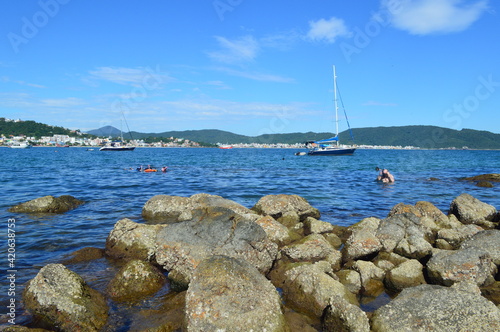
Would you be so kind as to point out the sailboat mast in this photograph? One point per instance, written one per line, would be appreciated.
(336, 106)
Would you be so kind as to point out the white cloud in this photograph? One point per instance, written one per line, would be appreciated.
(131, 76)
(256, 76)
(244, 49)
(422, 17)
(327, 30)
(7, 79)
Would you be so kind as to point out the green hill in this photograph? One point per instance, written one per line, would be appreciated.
(32, 129)
(430, 137)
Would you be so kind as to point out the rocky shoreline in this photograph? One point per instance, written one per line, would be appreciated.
(278, 267)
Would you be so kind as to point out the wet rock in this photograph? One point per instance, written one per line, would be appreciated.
(402, 208)
(492, 292)
(180, 247)
(484, 177)
(371, 277)
(168, 318)
(484, 184)
(488, 240)
(84, 255)
(334, 240)
(350, 279)
(300, 322)
(436, 308)
(407, 274)
(312, 248)
(135, 281)
(388, 260)
(315, 226)
(363, 241)
(452, 238)
(290, 219)
(275, 231)
(48, 204)
(405, 235)
(341, 315)
(278, 205)
(228, 294)
(62, 299)
(447, 267)
(171, 209)
(470, 210)
(307, 288)
(131, 240)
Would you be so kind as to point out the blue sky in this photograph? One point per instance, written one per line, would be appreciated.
(250, 66)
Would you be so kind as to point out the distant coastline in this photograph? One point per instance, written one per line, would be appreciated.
(403, 137)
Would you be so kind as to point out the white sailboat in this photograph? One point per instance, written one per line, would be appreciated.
(331, 146)
(117, 146)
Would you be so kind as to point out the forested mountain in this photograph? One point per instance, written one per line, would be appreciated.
(32, 129)
(430, 137)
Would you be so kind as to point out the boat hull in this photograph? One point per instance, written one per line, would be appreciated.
(332, 152)
(115, 148)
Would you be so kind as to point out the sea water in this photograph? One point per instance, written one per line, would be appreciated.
(341, 187)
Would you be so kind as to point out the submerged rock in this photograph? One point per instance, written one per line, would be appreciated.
(484, 177)
(48, 204)
(436, 308)
(136, 280)
(84, 255)
(60, 298)
(228, 294)
(180, 247)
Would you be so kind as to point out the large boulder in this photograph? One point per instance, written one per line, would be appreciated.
(228, 294)
(170, 209)
(363, 241)
(278, 206)
(131, 240)
(405, 275)
(48, 204)
(60, 298)
(488, 240)
(405, 235)
(312, 248)
(275, 231)
(447, 267)
(470, 210)
(308, 288)
(181, 246)
(136, 280)
(436, 308)
(341, 315)
(452, 238)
